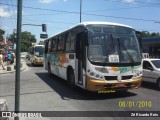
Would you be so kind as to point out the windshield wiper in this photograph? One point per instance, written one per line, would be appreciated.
(112, 40)
(128, 54)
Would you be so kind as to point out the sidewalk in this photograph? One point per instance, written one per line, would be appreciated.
(10, 68)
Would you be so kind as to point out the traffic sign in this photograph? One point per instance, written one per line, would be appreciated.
(43, 35)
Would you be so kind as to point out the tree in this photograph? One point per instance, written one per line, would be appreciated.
(12, 37)
(2, 32)
(41, 42)
(26, 39)
(146, 34)
(155, 34)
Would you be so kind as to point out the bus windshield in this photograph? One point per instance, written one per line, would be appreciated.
(113, 44)
(39, 51)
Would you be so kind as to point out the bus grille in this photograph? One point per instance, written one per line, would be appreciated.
(115, 77)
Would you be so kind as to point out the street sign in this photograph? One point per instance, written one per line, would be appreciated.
(43, 35)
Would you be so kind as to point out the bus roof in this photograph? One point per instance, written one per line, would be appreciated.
(91, 23)
(103, 23)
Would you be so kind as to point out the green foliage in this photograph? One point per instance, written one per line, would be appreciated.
(26, 39)
(12, 37)
(41, 42)
(146, 34)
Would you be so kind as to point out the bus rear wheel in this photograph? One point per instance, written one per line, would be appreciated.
(71, 79)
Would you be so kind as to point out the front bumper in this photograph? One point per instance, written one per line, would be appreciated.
(102, 85)
(38, 62)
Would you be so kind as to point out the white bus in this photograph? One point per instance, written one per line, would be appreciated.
(96, 56)
(36, 54)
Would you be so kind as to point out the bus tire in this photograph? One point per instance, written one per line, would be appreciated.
(71, 79)
(49, 70)
(32, 63)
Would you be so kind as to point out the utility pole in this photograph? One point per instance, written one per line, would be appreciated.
(80, 10)
(14, 37)
(18, 50)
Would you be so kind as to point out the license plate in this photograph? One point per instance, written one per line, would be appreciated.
(121, 85)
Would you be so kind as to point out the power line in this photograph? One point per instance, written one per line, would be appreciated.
(13, 12)
(115, 9)
(43, 14)
(138, 19)
(9, 12)
(136, 3)
(49, 21)
(44, 21)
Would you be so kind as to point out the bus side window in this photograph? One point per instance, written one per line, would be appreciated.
(49, 46)
(54, 45)
(61, 43)
(73, 38)
(70, 41)
(46, 47)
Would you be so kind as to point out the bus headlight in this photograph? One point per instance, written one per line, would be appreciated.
(138, 73)
(103, 70)
(92, 74)
(97, 76)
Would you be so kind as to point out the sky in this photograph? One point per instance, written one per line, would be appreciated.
(59, 15)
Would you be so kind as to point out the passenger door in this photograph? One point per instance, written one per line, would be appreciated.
(45, 61)
(81, 56)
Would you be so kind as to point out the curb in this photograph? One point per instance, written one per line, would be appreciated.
(24, 66)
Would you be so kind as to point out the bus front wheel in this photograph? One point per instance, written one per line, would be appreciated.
(32, 63)
(71, 79)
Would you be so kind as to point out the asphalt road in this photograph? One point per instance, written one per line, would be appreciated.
(39, 92)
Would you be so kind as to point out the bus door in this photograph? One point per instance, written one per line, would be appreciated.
(81, 56)
(45, 61)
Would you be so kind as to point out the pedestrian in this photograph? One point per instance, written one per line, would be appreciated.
(9, 58)
(12, 58)
(5, 57)
(1, 60)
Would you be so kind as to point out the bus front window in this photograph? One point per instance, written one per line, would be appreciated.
(113, 44)
(39, 51)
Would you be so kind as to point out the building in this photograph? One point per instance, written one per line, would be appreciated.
(5, 45)
(152, 46)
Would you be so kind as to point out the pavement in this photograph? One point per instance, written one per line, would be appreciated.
(11, 67)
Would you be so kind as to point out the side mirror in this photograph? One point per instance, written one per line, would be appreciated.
(150, 68)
